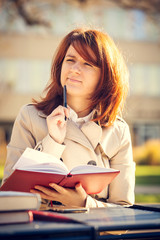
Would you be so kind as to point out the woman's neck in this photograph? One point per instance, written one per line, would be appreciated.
(81, 107)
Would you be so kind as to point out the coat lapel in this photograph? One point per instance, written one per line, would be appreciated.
(89, 135)
(93, 132)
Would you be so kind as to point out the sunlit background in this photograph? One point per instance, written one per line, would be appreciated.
(29, 34)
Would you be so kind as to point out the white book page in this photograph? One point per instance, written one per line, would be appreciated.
(91, 169)
(47, 168)
(32, 157)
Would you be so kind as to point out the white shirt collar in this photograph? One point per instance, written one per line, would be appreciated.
(80, 121)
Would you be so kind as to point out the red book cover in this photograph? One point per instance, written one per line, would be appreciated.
(39, 168)
(93, 183)
(50, 216)
(23, 181)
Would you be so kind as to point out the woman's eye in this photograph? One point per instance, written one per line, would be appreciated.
(87, 64)
(69, 60)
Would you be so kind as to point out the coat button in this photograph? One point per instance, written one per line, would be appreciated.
(92, 162)
(39, 147)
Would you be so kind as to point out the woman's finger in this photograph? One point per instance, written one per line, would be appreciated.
(59, 120)
(58, 188)
(59, 110)
(67, 112)
(80, 189)
(45, 190)
(43, 195)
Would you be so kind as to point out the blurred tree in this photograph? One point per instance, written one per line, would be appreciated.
(149, 7)
(32, 11)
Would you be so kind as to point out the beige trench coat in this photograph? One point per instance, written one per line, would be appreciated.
(108, 147)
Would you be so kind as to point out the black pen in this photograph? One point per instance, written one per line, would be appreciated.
(65, 98)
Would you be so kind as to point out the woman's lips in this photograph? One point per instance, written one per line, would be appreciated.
(73, 80)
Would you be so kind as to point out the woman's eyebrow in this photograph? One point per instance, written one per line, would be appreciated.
(72, 56)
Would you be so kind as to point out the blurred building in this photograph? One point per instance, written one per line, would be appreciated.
(26, 56)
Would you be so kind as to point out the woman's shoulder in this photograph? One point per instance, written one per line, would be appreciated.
(120, 127)
(113, 137)
(30, 111)
(117, 130)
(28, 108)
(120, 123)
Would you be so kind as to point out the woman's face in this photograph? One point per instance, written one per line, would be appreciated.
(80, 77)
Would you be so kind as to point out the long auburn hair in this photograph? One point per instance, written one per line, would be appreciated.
(111, 92)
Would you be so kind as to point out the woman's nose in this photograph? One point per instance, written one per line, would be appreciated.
(76, 67)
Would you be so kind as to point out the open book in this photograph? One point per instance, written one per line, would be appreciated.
(34, 167)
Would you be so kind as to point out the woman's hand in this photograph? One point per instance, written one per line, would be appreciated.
(68, 197)
(56, 123)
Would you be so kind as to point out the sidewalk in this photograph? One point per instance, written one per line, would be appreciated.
(147, 189)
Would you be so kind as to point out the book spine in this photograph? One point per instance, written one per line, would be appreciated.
(64, 180)
(30, 214)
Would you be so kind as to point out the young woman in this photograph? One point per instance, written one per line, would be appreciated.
(96, 77)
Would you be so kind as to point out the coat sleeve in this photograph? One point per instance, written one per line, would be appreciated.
(20, 139)
(121, 189)
(23, 136)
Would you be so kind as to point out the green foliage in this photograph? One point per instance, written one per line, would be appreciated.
(148, 180)
(147, 170)
(147, 198)
(147, 175)
(147, 154)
